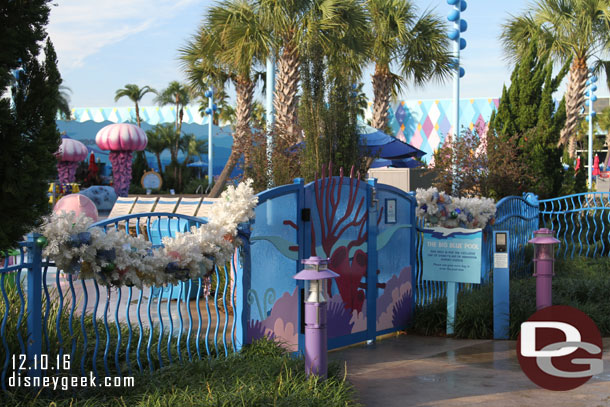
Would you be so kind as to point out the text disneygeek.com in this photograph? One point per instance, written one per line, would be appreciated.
(67, 382)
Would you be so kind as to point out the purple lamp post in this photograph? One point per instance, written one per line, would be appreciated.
(544, 259)
(121, 139)
(70, 154)
(315, 275)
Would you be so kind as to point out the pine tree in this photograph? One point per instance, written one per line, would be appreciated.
(28, 133)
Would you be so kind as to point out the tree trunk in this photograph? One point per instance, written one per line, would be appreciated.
(242, 136)
(159, 162)
(572, 147)
(138, 114)
(285, 100)
(244, 90)
(575, 97)
(382, 90)
(226, 172)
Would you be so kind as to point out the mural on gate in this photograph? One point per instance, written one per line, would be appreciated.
(338, 230)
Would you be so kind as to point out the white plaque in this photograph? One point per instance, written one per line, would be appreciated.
(500, 260)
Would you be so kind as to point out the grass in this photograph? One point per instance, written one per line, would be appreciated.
(582, 283)
(263, 374)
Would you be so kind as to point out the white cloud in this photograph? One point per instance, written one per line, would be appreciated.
(81, 28)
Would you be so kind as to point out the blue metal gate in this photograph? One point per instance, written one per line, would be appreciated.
(367, 232)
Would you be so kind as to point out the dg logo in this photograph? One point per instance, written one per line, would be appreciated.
(560, 348)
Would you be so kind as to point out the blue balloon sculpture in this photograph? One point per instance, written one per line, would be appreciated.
(463, 5)
(453, 16)
(453, 34)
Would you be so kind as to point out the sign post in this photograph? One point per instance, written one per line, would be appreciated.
(501, 284)
(452, 255)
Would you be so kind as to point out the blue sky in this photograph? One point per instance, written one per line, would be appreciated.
(104, 44)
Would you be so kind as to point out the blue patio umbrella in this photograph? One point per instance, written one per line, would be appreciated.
(397, 163)
(198, 164)
(375, 143)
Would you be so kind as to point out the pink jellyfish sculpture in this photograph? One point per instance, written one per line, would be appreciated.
(70, 153)
(121, 139)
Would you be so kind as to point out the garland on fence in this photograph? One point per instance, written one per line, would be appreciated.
(115, 258)
(440, 209)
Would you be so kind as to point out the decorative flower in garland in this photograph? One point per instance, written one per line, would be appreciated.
(440, 209)
(115, 258)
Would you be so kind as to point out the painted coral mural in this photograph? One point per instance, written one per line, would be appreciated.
(395, 305)
(338, 229)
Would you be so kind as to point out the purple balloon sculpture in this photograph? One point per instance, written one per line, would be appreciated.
(121, 139)
(70, 153)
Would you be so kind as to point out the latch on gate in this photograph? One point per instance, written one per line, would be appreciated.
(375, 201)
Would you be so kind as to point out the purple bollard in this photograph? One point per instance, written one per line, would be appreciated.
(544, 259)
(315, 275)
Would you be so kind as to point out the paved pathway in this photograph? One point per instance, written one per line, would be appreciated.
(428, 371)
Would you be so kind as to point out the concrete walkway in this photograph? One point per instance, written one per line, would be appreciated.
(429, 371)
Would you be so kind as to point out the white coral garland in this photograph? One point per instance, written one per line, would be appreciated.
(440, 209)
(189, 255)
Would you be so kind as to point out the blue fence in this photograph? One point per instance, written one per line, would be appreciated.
(115, 332)
(520, 217)
(63, 325)
(581, 222)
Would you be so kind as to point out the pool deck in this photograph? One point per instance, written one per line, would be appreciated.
(410, 370)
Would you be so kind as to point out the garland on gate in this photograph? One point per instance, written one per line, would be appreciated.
(440, 209)
(115, 258)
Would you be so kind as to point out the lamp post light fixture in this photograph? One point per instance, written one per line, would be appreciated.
(544, 259)
(210, 112)
(315, 275)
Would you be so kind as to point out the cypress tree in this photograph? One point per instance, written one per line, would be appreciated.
(528, 118)
(28, 133)
(329, 116)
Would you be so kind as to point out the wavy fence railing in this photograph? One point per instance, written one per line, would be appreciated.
(520, 217)
(581, 222)
(72, 326)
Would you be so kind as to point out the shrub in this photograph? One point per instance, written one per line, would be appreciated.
(582, 283)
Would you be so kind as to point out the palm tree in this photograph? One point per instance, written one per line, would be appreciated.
(159, 141)
(230, 43)
(176, 94)
(135, 94)
(336, 27)
(418, 46)
(564, 29)
(360, 99)
(64, 102)
(227, 115)
(193, 147)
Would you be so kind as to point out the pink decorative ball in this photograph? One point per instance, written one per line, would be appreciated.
(121, 137)
(71, 150)
(77, 203)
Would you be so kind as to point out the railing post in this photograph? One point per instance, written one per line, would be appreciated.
(372, 264)
(34, 305)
